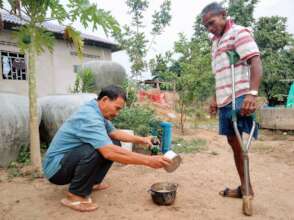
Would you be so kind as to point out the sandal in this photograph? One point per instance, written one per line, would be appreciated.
(81, 206)
(232, 193)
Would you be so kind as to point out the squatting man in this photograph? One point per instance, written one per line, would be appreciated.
(83, 149)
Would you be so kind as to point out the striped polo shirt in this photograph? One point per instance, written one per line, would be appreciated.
(241, 40)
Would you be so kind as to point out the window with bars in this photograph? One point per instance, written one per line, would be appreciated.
(13, 66)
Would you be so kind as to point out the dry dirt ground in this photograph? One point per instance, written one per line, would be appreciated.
(200, 178)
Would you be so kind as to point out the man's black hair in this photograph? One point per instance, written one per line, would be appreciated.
(214, 8)
(112, 92)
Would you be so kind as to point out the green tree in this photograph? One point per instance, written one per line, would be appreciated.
(276, 46)
(195, 83)
(133, 37)
(242, 11)
(160, 67)
(33, 39)
(200, 33)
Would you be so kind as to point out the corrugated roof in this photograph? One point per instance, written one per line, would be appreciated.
(58, 29)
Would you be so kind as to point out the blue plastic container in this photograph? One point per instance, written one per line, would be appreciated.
(290, 101)
(166, 136)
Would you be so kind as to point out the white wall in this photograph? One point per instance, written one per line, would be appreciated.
(55, 72)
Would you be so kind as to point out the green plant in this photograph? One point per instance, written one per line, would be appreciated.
(184, 146)
(24, 155)
(137, 118)
(23, 158)
(85, 81)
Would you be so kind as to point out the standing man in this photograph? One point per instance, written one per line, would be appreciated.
(248, 73)
(82, 150)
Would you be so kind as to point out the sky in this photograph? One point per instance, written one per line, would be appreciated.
(183, 16)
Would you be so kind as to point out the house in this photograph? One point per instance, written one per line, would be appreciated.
(55, 71)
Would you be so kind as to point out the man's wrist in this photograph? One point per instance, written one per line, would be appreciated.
(144, 140)
(253, 92)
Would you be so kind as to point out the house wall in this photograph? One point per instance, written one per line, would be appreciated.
(7, 43)
(55, 72)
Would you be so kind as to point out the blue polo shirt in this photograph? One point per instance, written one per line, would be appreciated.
(87, 125)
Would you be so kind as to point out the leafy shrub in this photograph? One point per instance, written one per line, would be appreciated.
(138, 118)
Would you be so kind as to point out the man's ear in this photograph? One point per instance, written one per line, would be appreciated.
(224, 14)
(104, 98)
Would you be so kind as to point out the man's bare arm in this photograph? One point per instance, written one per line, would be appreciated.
(118, 154)
(126, 137)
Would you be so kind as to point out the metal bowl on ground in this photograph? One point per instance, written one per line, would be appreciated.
(163, 193)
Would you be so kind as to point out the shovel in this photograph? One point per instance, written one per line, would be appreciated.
(247, 198)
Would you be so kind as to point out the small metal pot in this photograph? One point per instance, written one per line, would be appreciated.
(163, 193)
(175, 161)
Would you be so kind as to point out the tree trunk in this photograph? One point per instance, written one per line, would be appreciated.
(182, 117)
(174, 95)
(34, 122)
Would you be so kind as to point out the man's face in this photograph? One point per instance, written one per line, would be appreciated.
(215, 24)
(111, 108)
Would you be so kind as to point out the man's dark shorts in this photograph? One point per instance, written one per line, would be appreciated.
(226, 124)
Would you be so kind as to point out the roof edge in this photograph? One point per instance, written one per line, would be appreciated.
(11, 21)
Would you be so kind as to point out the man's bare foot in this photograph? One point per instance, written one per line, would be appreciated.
(101, 186)
(79, 203)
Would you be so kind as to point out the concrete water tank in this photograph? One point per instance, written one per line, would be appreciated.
(56, 109)
(14, 126)
(106, 73)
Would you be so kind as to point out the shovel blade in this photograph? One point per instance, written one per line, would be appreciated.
(247, 205)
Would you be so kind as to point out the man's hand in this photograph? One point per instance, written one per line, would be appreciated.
(249, 105)
(213, 107)
(147, 140)
(158, 161)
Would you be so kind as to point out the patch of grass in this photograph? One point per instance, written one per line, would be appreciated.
(18, 167)
(184, 146)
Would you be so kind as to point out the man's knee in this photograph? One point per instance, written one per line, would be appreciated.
(90, 154)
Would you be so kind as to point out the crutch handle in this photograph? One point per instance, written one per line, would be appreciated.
(233, 57)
